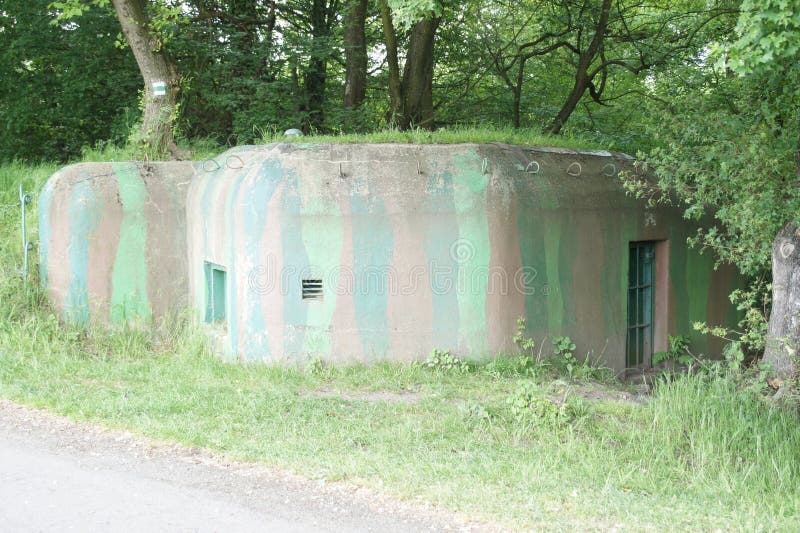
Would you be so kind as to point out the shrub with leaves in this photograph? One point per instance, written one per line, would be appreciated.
(563, 348)
(529, 404)
(678, 351)
(476, 414)
(444, 361)
(525, 343)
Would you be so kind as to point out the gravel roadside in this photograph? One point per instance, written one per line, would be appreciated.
(61, 475)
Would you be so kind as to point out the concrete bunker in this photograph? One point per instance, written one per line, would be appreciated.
(112, 241)
(368, 252)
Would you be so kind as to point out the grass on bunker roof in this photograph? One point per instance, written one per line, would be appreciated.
(699, 455)
(456, 135)
(201, 149)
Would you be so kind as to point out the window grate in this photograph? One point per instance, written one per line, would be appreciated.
(641, 279)
(215, 292)
(312, 289)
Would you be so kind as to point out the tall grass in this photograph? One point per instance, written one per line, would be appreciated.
(529, 137)
(722, 433)
(198, 149)
(15, 299)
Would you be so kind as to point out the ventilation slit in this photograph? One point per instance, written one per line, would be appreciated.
(312, 289)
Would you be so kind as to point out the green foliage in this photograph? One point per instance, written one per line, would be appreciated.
(768, 36)
(526, 399)
(407, 12)
(249, 67)
(455, 135)
(445, 362)
(65, 86)
(718, 426)
(476, 414)
(71, 9)
(315, 366)
(563, 348)
(753, 304)
(530, 358)
(530, 406)
(734, 356)
(512, 365)
(727, 148)
(525, 344)
(576, 368)
(747, 192)
(678, 351)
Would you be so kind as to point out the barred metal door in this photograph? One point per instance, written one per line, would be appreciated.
(641, 267)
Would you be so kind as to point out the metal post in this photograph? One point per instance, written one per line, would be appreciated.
(24, 200)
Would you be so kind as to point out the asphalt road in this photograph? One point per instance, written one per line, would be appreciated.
(57, 475)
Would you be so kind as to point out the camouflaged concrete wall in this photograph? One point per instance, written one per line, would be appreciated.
(434, 246)
(112, 241)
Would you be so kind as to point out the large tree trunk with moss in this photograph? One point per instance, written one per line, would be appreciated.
(418, 77)
(411, 98)
(316, 75)
(158, 123)
(395, 82)
(355, 53)
(783, 339)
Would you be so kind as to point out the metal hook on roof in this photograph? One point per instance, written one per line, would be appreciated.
(485, 165)
(236, 157)
(205, 165)
(612, 170)
(528, 168)
(574, 165)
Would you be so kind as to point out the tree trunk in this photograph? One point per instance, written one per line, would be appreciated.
(578, 90)
(158, 123)
(395, 84)
(516, 90)
(317, 73)
(252, 42)
(243, 15)
(515, 121)
(418, 77)
(582, 78)
(783, 338)
(355, 54)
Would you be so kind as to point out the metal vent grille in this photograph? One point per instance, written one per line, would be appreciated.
(312, 289)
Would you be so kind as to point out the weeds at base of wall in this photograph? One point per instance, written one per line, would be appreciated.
(315, 366)
(563, 357)
(444, 361)
(531, 407)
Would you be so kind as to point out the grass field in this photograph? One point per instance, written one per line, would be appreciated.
(506, 439)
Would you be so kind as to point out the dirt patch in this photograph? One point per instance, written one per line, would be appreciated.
(601, 394)
(597, 392)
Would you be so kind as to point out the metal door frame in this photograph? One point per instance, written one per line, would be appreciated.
(641, 294)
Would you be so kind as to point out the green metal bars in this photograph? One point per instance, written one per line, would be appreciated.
(641, 274)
